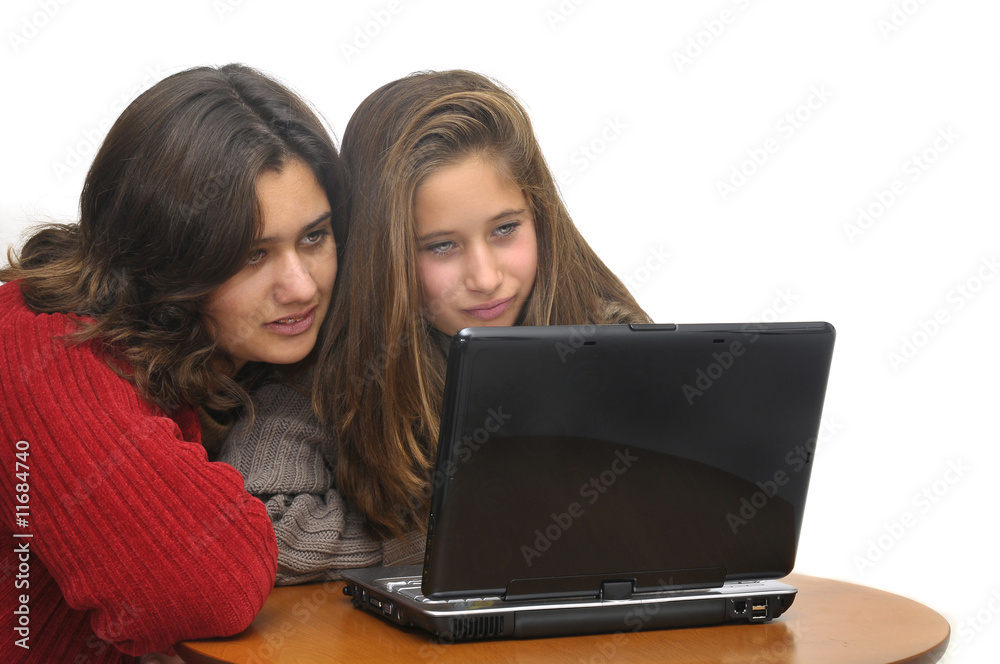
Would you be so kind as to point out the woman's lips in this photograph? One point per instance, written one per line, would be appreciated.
(490, 310)
(292, 325)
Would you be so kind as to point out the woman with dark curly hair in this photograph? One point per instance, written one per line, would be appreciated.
(203, 262)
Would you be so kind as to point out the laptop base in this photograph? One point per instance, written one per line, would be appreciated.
(394, 594)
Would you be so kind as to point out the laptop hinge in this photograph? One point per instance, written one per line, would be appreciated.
(599, 585)
(616, 590)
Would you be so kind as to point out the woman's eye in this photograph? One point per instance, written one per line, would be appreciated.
(256, 257)
(316, 237)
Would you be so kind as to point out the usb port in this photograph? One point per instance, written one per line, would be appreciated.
(758, 610)
(373, 601)
(387, 607)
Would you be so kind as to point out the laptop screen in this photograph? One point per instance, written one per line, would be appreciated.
(573, 460)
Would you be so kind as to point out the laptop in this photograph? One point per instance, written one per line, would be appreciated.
(613, 478)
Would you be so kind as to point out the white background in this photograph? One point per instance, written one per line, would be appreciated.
(646, 111)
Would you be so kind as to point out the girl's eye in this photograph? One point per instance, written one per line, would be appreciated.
(440, 248)
(506, 229)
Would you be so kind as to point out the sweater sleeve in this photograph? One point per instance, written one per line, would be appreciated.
(280, 454)
(133, 522)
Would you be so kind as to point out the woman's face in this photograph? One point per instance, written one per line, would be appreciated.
(476, 247)
(271, 310)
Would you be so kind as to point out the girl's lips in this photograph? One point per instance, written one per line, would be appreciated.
(293, 325)
(491, 310)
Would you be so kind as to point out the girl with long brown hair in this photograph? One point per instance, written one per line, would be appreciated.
(455, 221)
(203, 262)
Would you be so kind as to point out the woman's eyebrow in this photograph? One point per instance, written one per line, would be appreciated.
(319, 221)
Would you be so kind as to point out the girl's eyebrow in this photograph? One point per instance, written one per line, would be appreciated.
(512, 212)
(312, 225)
(433, 235)
(507, 213)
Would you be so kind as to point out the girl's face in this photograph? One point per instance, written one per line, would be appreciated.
(476, 247)
(271, 310)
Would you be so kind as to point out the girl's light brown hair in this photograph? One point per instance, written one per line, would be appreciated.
(169, 211)
(380, 379)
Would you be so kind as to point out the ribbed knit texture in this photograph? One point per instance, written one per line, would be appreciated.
(213, 433)
(138, 541)
(281, 457)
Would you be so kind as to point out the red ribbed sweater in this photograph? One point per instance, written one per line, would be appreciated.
(136, 540)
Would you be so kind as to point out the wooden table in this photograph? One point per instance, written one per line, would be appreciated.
(830, 621)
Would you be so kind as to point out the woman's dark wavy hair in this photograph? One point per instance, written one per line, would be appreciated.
(169, 211)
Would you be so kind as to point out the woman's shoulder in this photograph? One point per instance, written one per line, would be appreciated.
(16, 318)
(53, 366)
(12, 307)
(38, 339)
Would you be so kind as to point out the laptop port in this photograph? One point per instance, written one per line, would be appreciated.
(739, 606)
(387, 607)
(374, 602)
(758, 610)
